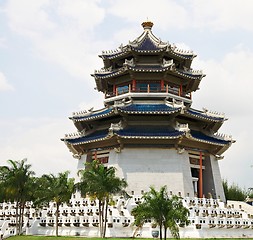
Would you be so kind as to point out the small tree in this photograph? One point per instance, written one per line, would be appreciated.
(164, 210)
(234, 192)
(175, 213)
(100, 182)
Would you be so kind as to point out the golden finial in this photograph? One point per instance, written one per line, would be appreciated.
(147, 24)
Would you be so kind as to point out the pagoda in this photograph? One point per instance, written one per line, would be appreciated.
(147, 129)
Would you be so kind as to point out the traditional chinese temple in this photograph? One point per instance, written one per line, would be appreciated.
(148, 129)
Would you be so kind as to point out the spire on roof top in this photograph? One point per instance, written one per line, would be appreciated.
(147, 25)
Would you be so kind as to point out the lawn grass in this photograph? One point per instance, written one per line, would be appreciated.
(67, 238)
(44, 238)
(77, 238)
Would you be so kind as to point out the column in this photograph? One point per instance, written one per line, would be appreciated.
(200, 176)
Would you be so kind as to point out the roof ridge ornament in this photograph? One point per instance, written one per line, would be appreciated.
(213, 113)
(177, 103)
(104, 70)
(75, 135)
(192, 71)
(129, 62)
(115, 127)
(182, 127)
(167, 63)
(121, 103)
(224, 137)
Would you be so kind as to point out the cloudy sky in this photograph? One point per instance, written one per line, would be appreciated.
(49, 48)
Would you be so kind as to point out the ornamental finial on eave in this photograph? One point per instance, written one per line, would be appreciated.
(147, 24)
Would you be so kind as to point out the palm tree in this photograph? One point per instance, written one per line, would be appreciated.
(175, 213)
(57, 189)
(163, 210)
(16, 182)
(100, 182)
(152, 207)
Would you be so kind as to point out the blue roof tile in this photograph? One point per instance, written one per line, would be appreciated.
(202, 115)
(147, 44)
(148, 108)
(149, 131)
(201, 136)
(93, 136)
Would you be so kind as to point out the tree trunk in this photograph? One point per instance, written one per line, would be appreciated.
(21, 217)
(17, 220)
(165, 232)
(56, 219)
(105, 218)
(100, 212)
(136, 229)
(102, 218)
(161, 235)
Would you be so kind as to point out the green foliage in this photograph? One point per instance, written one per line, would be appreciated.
(16, 180)
(234, 192)
(99, 182)
(16, 184)
(57, 188)
(54, 188)
(164, 210)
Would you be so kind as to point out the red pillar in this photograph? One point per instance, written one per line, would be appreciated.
(200, 176)
(180, 90)
(134, 85)
(162, 85)
(114, 89)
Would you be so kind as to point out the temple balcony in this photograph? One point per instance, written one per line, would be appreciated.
(148, 90)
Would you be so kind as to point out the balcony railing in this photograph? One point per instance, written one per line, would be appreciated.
(148, 89)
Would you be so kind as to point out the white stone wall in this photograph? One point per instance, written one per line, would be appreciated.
(80, 165)
(145, 167)
(217, 179)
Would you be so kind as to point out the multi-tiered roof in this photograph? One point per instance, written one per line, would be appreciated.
(148, 85)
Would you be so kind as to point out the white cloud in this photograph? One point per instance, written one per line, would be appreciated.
(4, 85)
(29, 17)
(228, 82)
(64, 37)
(83, 15)
(3, 42)
(223, 14)
(212, 15)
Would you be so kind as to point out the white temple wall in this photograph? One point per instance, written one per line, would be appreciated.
(217, 179)
(187, 177)
(145, 167)
(80, 165)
